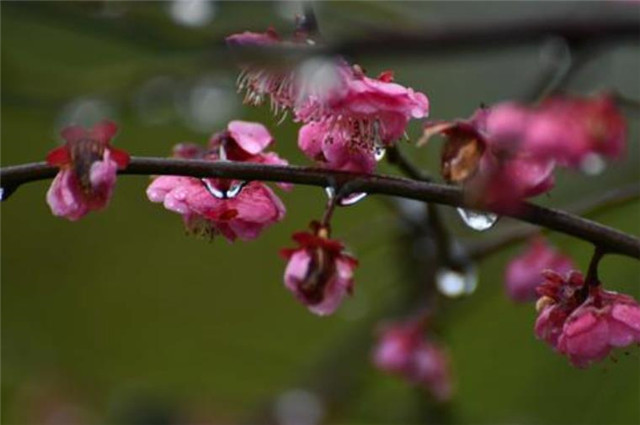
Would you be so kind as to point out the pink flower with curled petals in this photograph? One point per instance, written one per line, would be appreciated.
(523, 273)
(570, 130)
(319, 273)
(88, 165)
(585, 322)
(212, 206)
(403, 350)
(484, 155)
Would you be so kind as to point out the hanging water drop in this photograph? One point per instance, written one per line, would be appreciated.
(477, 220)
(213, 190)
(351, 199)
(330, 191)
(235, 189)
(378, 152)
(453, 283)
(593, 164)
(6, 191)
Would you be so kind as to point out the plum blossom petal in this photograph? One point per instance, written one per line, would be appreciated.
(523, 273)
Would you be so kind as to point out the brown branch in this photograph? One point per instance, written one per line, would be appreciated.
(471, 36)
(518, 233)
(609, 239)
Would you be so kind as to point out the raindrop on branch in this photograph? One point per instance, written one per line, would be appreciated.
(352, 199)
(477, 220)
(235, 189)
(330, 191)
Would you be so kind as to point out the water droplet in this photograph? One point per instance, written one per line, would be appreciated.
(453, 283)
(351, 199)
(299, 407)
(213, 190)
(330, 191)
(192, 13)
(593, 164)
(6, 192)
(235, 189)
(378, 152)
(477, 220)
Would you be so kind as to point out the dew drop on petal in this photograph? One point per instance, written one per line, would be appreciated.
(453, 283)
(593, 164)
(352, 199)
(299, 407)
(477, 220)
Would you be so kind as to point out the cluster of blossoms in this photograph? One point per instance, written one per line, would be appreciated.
(583, 321)
(508, 152)
(501, 156)
(348, 118)
(404, 350)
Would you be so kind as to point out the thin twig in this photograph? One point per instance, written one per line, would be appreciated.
(612, 240)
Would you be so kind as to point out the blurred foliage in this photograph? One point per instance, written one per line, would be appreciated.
(123, 318)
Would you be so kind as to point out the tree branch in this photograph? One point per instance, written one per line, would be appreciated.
(518, 233)
(609, 239)
(456, 38)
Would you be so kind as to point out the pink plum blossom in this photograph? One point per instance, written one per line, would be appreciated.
(88, 166)
(346, 128)
(523, 273)
(403, 350)
(483, 155)
(582, 321)
(211, 206)
(569, 130)
(319, 272)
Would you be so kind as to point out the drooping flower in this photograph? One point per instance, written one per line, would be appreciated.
(585, 322)
(403, 350)
(347, 128)
(88, 165)
(211, 206)
(484, 155)
(572, 130)
(523, 273)
(260, 81)
(319, 272)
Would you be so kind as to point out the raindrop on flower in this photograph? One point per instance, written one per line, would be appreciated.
(299, 407)
(453, 283)
(593, 164)
(477, 220)
(351, 199)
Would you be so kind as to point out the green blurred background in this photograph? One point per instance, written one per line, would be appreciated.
(121, 318)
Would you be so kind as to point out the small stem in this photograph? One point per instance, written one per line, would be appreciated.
(331, 207)
(592, 279)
